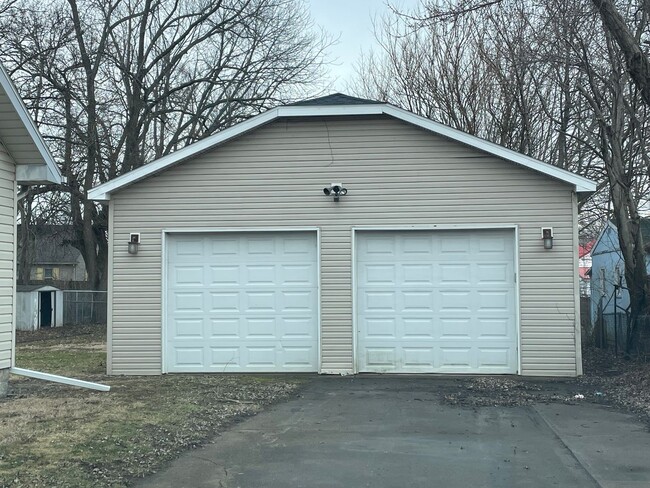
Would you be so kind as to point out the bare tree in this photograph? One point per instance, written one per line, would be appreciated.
(629, 43)
(114, 84)
(544, 79)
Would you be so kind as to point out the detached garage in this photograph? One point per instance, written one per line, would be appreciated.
(342, 235)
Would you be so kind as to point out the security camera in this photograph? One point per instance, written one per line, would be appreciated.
(336, 190)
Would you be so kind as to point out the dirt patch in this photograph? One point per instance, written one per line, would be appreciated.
(63, 335)
(506, 391)
(622, 382)
(609, 380)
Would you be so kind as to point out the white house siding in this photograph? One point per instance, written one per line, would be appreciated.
(7, 253)
(396, 174)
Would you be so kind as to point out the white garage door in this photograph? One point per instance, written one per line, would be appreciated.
(436, 301)
(242, 302)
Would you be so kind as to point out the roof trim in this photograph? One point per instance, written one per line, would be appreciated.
(103, 191)
(53, 172)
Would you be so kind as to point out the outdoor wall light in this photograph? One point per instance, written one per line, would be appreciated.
(336, 190)
(547, 236)
(134, 242)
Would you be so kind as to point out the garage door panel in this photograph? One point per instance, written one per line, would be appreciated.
(188, 276)
(418, 357)
(189, 247)
(223, 275)
(187, 301)
(381, 328)
(416, 274)
(493, 273)
(225, 328)
(188, 328)
(259, 274)
(416, 301)
(498, 357)
(242, 302)
(224, 358)
(436, 301)
(378, 274)
(451, 247)
(417, 328)
(297, 301)
(297, 274)
(383, 358)
(188, 356)
(454, 301)
(222, 302)
(454, 273)
(495, 327)
(455, 328)
(492, 244)
(296, 327)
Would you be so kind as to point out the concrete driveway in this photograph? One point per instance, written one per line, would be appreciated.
(394, 432)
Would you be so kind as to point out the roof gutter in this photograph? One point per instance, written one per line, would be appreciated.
(58, 379)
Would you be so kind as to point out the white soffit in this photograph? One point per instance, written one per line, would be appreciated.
(103, 191)
(51, 173)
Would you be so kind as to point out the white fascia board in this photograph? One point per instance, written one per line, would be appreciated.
(581, 183)
(54, 174)
(103, 191)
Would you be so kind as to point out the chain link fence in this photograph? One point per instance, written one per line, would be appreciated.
(83, 307)
(611, 331)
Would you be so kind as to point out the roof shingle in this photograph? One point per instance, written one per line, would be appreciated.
(337, 99)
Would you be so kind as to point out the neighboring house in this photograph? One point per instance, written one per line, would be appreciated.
(24, 160)
(608, 269)
(433, 262)
(51, 256)
(584, 267)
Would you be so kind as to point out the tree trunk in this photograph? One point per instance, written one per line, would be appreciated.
(630, 239)
(636, 60)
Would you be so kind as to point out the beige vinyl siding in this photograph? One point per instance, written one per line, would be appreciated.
(397, 175)
(7, 239)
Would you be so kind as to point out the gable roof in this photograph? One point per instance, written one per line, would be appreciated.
(644, 226)
(325, 107)
(41, 287)
(21, 138)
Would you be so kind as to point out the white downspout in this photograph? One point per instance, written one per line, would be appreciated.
(58, 379)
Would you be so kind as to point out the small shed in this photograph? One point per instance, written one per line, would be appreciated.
(38, 306)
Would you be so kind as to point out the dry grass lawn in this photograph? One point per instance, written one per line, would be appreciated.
(53, 435)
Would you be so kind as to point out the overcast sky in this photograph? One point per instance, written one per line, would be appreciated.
(351, 21)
